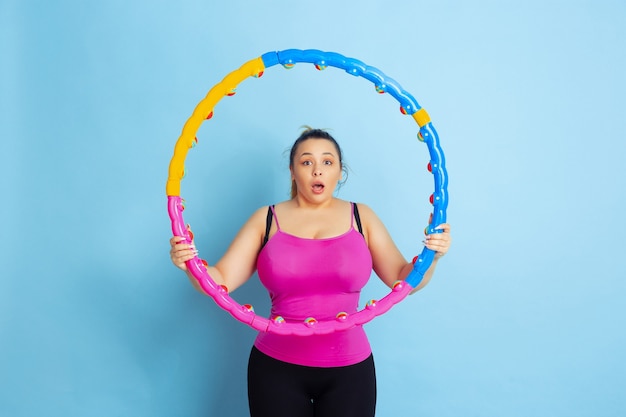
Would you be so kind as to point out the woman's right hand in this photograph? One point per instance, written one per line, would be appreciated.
(181, 252)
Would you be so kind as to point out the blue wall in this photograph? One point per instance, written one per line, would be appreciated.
(525, 316)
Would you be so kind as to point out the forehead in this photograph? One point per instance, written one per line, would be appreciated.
(316, 145)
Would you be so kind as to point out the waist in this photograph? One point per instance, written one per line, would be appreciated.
(341, 348)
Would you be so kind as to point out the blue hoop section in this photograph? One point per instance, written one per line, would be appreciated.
(321, 60)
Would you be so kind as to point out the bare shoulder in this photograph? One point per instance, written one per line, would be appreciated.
(372, 225)
(259, 216)
(256, 222)
(254, 228)
(366, 213)
(285, 203)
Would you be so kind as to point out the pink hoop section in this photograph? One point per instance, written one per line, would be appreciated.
(246, 315)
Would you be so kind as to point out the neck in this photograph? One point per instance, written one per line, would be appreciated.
(301, 202)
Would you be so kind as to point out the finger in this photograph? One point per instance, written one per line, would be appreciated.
(176, 239)
(182, 263)
(181, 259)
(437, 241)
(444, 226)
(183, 247)
(437, 247)
(183, 253)
(443, 236)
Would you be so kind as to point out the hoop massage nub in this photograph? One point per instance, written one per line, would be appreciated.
(321, 60)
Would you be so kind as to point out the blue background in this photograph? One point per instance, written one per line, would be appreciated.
(525, 316)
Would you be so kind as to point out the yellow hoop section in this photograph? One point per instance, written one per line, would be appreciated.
(203, 111)
(421, 117)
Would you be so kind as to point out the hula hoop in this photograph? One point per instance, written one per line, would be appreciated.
(204, 111)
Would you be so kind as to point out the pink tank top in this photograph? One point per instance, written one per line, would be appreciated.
(315, 278)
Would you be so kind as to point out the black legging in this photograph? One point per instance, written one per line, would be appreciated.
(280, 389)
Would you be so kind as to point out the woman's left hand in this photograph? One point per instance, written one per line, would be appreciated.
(439, 242)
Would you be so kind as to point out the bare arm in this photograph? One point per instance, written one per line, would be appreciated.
(389, 264)
(238, 262)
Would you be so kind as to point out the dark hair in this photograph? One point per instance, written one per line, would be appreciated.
(311, 133)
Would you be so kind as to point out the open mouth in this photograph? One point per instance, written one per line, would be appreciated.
(318, 188)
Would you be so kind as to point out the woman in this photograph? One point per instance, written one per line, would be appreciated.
(314, 253)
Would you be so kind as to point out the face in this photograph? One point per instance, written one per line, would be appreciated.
(316, 169)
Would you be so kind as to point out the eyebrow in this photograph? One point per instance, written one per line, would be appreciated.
(309, 153)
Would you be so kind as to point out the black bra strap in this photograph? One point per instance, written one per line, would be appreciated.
(268, 224)
(270, 217)
(357, 219)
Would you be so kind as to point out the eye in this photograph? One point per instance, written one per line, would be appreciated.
(306, 162)
(327, 162)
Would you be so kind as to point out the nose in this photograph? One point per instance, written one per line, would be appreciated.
(317, 172)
